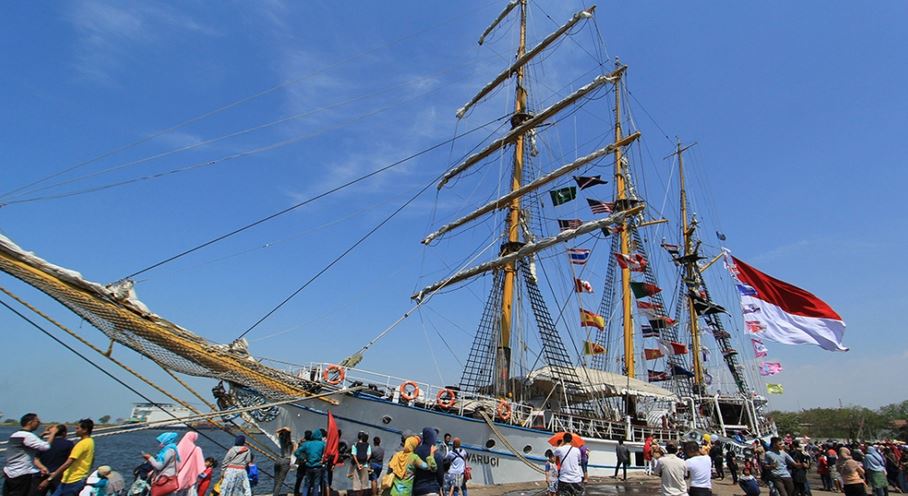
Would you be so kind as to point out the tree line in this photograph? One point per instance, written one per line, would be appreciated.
(850, 422)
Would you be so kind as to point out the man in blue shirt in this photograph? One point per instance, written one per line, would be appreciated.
(778, 461)
(309, 457)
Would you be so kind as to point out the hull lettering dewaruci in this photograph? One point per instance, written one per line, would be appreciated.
(489, 460)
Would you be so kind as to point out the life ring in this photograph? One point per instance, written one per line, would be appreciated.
(334, 374)
(409, 391)
(446, 398)
(504, 410)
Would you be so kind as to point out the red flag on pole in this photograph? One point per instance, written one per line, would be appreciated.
(331, 451)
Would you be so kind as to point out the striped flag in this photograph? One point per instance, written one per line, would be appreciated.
(648, 331)
(672, 250)
(600, 207)
(590, 319)
(578, 256)
(787, 314)
(565, 224)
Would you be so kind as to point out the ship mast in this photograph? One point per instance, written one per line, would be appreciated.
(622, 194)
(503, 353)
(688, 229)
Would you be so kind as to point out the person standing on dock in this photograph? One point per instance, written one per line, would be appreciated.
(166, 465)
(624, 455)
(673, 471)
(52, 459)
(376, 464)
(700, 468)
(570, 474)
(21, 473)
(192, 463)
(77, 467)
(235, 481)
(282, 464)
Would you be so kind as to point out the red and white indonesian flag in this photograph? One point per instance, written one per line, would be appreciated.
(780, 312)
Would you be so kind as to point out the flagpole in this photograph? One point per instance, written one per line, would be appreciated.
(621, 185)
(687, 232)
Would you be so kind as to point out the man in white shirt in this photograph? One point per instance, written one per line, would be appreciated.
(571, 474)
(673, 472)
(20, 473)
(700, 468)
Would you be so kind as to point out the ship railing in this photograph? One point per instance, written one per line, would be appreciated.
(390, 388)
(428, 396)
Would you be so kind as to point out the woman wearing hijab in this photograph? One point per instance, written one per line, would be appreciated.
(852, 474)
(403, 466)
(875, 467)
(429, 481)
(166, 465)
(235, 481)
(192, 463)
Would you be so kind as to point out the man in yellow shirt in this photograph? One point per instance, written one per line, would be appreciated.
(76, 469)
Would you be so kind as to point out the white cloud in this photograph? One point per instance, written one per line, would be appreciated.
(107, 30)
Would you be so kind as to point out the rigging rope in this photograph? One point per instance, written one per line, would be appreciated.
(105, 372)
(236, 103)
(504, 440)
(300, 204)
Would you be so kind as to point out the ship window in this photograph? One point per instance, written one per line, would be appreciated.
(490, 443)
(386, 419)
(527, 449)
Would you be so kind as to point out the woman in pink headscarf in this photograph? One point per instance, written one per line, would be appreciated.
(192, 464)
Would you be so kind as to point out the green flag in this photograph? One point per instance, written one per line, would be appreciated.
(563, 195)
(644, 289)
(775, 389)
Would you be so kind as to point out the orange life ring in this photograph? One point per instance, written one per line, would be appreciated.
(504, 410)
(334, 374)
(446, 398)
(409, 394)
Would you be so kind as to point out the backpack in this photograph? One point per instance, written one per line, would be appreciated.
(253, 471)
(362, 452)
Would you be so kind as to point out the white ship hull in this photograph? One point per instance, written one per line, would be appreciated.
(491, 461)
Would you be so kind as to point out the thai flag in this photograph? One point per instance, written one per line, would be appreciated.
(578, 256)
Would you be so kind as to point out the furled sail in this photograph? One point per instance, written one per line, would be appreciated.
(530, 123)
(529, 249)
(120, 316)
(520, 62)
(532, 186)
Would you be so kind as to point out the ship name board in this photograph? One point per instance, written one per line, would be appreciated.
(490, 460)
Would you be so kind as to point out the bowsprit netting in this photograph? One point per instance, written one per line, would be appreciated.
(127, 321)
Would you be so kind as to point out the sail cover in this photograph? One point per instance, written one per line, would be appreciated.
(784, 313)
(598, 383)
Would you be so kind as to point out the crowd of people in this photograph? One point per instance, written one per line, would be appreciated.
(780, 467)
(52, 465)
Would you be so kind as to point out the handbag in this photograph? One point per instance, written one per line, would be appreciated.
(164, 485)
(387, 481)
(468, 473)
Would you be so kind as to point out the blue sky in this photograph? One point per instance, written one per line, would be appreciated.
(797, 108)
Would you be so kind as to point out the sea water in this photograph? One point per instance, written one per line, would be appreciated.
(123, 453)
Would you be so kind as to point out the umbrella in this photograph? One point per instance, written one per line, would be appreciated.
(576, 441)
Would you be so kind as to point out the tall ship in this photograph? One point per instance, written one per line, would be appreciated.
(600, 318)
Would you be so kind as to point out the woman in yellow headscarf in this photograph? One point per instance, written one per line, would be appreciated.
(403, 465)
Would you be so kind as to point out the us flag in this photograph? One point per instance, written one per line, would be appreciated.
(599, 207)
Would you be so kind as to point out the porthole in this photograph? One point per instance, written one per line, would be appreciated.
(386, 419)
(527, 449)
(490, 443)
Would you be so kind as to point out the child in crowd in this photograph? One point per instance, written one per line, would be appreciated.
(551, 473)
(205, 476)
(749, 483)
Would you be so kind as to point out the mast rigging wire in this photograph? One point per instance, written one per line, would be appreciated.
(105, 372)
(302, 203)
(235, 103)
